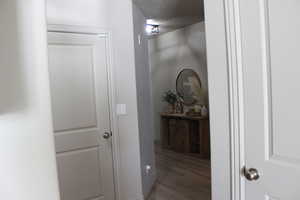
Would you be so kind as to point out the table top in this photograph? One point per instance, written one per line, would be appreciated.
(183, 116)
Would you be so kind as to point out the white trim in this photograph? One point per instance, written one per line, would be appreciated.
(111, 91)
(76, 29)
(224, 42)
(114, 119)
(236, 100)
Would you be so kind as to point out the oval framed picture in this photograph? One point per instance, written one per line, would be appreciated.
(188, 86)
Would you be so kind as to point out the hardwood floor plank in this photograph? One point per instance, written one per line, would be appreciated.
(181, 177)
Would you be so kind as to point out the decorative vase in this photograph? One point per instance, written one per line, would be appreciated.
(204, 111)
(172, 108)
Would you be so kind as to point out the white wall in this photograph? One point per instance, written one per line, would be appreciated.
(121, 27)
(116, 17)
(145, 107)
(78, 12)
(171, 52)
(27, 156)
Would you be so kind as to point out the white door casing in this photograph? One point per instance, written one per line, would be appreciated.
(269, 42)
(81, 115)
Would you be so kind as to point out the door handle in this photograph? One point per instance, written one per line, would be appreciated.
(107, 135)
(251, 174)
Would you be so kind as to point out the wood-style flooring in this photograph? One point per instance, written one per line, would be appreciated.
(181, 177)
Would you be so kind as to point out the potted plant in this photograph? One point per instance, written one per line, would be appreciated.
(171, 98)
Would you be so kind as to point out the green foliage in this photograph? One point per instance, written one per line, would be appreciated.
(170, 97)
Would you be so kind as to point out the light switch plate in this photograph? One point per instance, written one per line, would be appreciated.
(121, 109)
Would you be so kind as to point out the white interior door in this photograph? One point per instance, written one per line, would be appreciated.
(271, 59)
(80, 104)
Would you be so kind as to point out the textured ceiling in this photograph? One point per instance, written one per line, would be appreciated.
(172, 14)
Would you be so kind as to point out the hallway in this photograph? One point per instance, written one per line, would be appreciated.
(181, 177)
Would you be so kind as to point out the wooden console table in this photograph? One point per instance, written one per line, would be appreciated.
(186, 134)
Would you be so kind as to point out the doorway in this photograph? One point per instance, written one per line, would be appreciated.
(173, 105)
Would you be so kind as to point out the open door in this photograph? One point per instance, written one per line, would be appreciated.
(270, 41)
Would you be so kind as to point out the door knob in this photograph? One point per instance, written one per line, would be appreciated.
(251, 174)
(107, 135)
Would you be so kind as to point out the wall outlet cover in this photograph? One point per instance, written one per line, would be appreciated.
(148, 169)
(140, 39)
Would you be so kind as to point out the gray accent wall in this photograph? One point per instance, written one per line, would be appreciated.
(144, 101)
(171, 52)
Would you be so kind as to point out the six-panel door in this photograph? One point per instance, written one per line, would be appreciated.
(80, 105)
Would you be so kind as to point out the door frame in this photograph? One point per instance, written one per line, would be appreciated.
(111, 90)
(223, 33)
